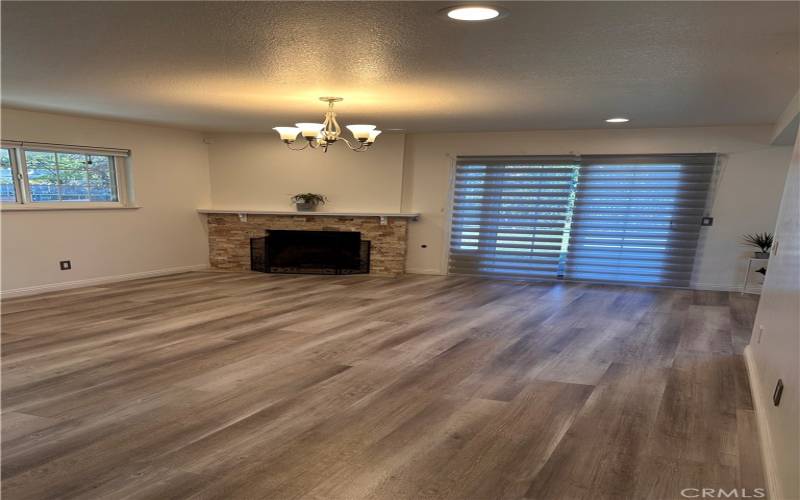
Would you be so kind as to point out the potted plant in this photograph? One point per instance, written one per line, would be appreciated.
(308, 202)
(762, 241)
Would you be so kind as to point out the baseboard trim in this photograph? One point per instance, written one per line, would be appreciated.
(694, 286)
(425, 271)
(34, 290)
(720, 287)
(765, 437)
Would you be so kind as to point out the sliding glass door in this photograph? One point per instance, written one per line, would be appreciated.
(510, 216)
(625, 219)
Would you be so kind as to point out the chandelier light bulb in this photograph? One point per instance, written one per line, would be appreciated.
(288, 134)
(372, 135)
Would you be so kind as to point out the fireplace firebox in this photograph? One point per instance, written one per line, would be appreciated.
(310, 252)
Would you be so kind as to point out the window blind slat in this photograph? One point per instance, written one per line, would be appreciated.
(629, 225)
(471, 230)
(535, 257)
(519, 238)
(544, 220)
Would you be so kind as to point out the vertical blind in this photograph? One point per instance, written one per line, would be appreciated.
(627, 219)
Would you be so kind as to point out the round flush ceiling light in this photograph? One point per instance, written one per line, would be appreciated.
(472, 13)
(617, 120)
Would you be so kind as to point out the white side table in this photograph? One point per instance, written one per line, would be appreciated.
(753, 263)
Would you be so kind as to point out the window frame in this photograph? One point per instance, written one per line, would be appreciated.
(22, 184)
(15, 175)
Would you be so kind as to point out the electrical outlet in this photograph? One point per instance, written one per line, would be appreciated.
(760, 333)
(707, 221)
(65, 265)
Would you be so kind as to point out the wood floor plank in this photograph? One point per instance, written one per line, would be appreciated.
(697, 418)
(749, 470)
(601, 450)
(502, 459)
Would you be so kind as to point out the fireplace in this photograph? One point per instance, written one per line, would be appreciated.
(229, 237)
(310, 252)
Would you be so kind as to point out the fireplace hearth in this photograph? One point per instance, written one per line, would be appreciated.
(310, 252)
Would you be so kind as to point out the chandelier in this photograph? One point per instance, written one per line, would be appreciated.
(322, 135)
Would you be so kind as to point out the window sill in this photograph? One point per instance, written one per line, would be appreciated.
(46, 208)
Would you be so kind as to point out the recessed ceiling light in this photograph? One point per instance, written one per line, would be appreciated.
(617, 120)
(472, 13)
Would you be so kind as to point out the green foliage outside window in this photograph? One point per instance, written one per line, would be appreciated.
(7, 188)
(55, 176)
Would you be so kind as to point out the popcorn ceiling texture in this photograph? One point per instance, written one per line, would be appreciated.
(229, 238)
(244, 66)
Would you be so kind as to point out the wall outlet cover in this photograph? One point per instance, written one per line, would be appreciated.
(65, 265)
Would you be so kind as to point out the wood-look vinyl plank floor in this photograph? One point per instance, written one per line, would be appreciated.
(245, 385)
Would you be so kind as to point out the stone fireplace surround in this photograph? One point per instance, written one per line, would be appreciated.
(229, 234)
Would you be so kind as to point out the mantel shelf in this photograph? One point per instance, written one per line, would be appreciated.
(382, 215)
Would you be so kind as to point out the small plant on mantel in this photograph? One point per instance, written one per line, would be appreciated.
(308, 202)
(762, 241)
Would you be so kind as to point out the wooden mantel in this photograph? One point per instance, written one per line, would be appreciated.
(243, 213)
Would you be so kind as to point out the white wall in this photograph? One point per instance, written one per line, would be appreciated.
(257, 171)
(747, 198)
(773, 354)
(170, 176)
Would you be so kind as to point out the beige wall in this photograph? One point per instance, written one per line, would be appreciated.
(773, 353)
(747, 198)
(170, 176)
(257, 171)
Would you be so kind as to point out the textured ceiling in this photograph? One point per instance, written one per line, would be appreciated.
(253, 65)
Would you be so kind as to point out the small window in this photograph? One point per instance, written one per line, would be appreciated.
(8, 188)
(70, 177)
(42, 176)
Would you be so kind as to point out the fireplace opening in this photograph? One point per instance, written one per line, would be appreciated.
(310, 252)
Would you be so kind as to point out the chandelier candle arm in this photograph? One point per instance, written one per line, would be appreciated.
(304, 146)
(322, 135)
